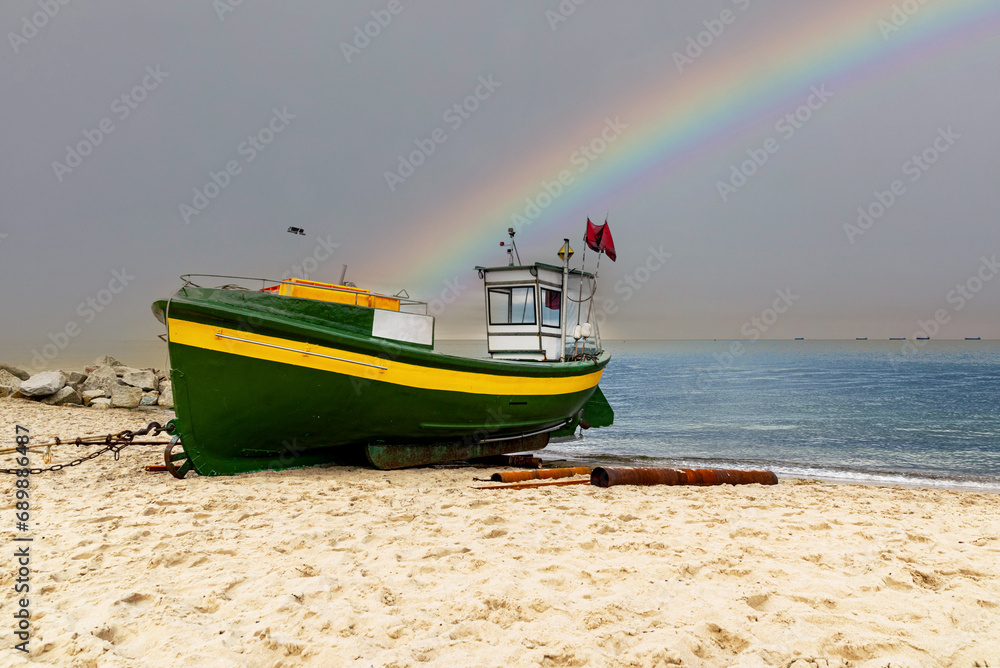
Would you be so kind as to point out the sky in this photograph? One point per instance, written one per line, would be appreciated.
(768, 168)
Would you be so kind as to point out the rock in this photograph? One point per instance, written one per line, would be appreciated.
(6, 391)
(43, 384)
(66, 395)
(101, 378)
(75, 379)
(122, 370)
(9, 379)
(125, 396)
(162, 375)
(17, 372)
(149, 398)
(90, 395)
(166, 395)
(107, 360)
(101, 403)
(145, 380)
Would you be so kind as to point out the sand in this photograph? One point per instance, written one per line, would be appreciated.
(350, 566)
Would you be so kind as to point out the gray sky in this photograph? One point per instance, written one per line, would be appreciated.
(208, 79)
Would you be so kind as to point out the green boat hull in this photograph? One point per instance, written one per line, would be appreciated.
(255, 389)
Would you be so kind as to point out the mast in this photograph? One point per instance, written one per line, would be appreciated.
(565, 253)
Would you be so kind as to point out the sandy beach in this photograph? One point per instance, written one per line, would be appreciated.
(352, 566)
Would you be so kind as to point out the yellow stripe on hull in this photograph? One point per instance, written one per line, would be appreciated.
(369, 367)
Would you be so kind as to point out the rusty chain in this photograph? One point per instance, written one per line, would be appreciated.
(112, 443)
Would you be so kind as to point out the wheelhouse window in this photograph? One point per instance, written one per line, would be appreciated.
(551, 307)
(512, 306)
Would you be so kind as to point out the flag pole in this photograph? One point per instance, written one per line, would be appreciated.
(565, 298)
(579, 310)
(597, 272)
(579, 298)
(590, 308)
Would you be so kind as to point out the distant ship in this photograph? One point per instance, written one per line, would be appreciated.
(923, 338)
(861, 338)
(975, 338)
(898, 338)
(799, 338)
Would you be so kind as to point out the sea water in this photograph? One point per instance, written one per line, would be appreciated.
(862, 411)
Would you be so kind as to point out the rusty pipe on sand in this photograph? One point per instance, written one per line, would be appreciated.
(543, 474)
(609, 477)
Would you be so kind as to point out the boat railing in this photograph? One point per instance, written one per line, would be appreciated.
(188, 281)
(406, 304)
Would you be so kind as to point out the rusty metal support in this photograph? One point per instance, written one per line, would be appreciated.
(519, 476)
(515, 461)
(609, 477)
(395, 456)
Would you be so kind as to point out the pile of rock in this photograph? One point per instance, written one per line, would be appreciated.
(106, 384)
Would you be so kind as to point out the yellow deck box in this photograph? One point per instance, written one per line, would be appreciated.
(338, 294)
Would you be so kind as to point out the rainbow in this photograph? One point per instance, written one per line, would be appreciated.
(708, 108)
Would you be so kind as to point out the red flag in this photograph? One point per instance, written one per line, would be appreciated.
(599, 239)
(607, 243)
(593, 237)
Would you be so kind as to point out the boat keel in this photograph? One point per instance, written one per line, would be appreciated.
(403, 456)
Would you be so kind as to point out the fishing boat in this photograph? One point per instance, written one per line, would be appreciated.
(296, 372)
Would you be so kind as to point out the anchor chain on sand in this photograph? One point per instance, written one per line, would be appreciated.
(114, 443)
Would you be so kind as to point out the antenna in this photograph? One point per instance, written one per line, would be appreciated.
(343, 276)
(510, 254)
(510, 231)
